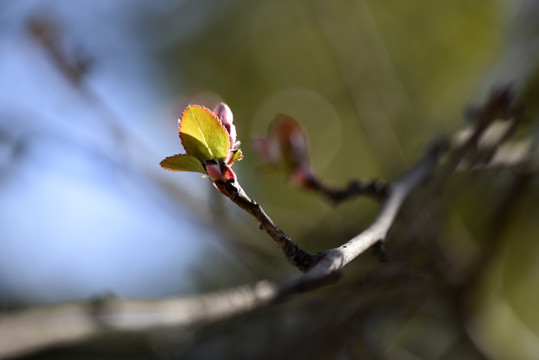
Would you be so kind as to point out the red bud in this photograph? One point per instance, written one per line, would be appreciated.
(219, 172)
(214, 171)
(224, 114)
(227, 172)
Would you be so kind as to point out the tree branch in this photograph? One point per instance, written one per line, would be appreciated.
(27, 331)
(295, 254)
(338, 257)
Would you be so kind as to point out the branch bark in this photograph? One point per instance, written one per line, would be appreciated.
(293, 252)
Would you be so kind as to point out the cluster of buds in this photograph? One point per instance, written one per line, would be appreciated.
(209, 139)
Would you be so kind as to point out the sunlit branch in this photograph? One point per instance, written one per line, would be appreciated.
(295, 255)
(377, 232)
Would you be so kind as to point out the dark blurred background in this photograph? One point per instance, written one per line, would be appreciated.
(90, 94)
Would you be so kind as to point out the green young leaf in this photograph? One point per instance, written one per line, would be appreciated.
(182, 162)
(202, 134)
(238, 155)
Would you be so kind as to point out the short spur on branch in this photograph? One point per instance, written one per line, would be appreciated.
(285, 146)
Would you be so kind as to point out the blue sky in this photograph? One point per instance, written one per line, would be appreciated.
(79, 212)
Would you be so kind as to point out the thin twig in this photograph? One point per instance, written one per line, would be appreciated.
(376, 189)
(293, 252)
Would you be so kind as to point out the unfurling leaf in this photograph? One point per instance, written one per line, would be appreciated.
(292, 140)
(202, 134)
(238, 155)
(209, 139)
(286, 142)
(182, 162)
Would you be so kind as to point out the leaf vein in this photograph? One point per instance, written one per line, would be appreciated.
(202, 133)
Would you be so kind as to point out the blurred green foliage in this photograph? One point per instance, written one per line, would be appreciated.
(372, 82)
